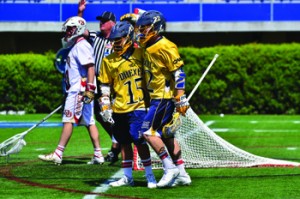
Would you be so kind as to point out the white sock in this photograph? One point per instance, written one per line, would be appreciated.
(97, 152)
(166, 160)
(59, 151)
(180, 165)
(127, 168)
(147, 166)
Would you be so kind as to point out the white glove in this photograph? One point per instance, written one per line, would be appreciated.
(181, 103)
(106, 111)
(107, 116)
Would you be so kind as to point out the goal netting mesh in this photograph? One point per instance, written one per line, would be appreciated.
(202, 148)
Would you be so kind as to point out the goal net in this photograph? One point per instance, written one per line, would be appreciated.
(202, 148)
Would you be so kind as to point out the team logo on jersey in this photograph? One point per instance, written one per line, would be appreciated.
(177, 60)
(130, 73)
(68, 113)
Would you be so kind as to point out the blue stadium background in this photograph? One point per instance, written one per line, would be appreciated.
(36, 26)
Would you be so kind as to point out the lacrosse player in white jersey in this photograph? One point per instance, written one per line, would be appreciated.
(166, 85)
(122, 71)
(80, 89)
(102, 48)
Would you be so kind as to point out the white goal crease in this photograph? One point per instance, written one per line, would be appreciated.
(202, 148)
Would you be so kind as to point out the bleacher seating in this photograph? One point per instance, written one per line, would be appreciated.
(20, 1)
(159, 1)
(116, 1)
(137, 1)
(260, 1)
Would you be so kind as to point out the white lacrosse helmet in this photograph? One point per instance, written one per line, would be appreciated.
(73, 28)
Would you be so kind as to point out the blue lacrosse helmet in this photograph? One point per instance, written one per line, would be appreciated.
(122, 36)
(149, 24)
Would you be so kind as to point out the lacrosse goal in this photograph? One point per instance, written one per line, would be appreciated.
(202, 148)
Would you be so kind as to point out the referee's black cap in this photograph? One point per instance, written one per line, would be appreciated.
(107, 16)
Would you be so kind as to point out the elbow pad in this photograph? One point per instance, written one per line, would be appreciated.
(179, 75)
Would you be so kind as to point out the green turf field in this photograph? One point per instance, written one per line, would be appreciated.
(272, 136)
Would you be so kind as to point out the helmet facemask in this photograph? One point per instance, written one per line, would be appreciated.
(122, 37)
(73, 28)
(120, 45)
(146, 32)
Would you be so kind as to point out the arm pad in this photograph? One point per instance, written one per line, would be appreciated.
(180, 76)
(105, 89)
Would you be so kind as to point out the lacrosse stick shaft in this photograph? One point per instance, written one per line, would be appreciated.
(15, 144)
(202, 77)
(43, 120)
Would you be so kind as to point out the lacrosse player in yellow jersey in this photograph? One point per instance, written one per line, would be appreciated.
(122, 72)
(165, 81)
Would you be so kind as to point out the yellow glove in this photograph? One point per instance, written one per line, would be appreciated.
(130, 17)
(89, 93)
(169, 130)
(181, 104)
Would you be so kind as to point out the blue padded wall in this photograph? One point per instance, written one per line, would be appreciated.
(173, 12)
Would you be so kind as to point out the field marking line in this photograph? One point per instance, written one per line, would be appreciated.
(275, 130)
(220, 130)
(208, 123)
(292, 148)
(102, 188)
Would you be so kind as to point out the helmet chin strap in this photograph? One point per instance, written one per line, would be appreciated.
(70, 41)
(66, 44)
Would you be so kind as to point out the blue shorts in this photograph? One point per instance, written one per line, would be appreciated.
(160, 113)
(127, 127)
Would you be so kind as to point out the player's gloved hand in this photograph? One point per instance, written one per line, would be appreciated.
(89, 93)
(130, 17)
(181, 104)
(106, 111)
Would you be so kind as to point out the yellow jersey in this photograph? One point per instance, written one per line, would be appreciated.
(160, 60)
(126, 78)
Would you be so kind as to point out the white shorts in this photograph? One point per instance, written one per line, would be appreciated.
(75, 111)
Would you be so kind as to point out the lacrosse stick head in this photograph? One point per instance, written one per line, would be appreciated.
(170, 129)
(12, 145)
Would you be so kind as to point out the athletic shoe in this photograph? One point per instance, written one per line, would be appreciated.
(151, 181)
(182, 180)
(111, 157)
(52, 157)
(124, 181)
(168, 177)
(96, 160)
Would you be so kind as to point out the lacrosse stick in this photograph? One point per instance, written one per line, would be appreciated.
(15, 144)
(170, 128)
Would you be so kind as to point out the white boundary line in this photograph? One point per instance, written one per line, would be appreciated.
(208, 123)
(102, 188)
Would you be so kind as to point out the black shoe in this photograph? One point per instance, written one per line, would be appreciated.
(111, 157)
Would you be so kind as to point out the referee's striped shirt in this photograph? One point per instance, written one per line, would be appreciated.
(102, 48)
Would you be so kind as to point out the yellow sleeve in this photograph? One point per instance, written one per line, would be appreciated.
(104, 75)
